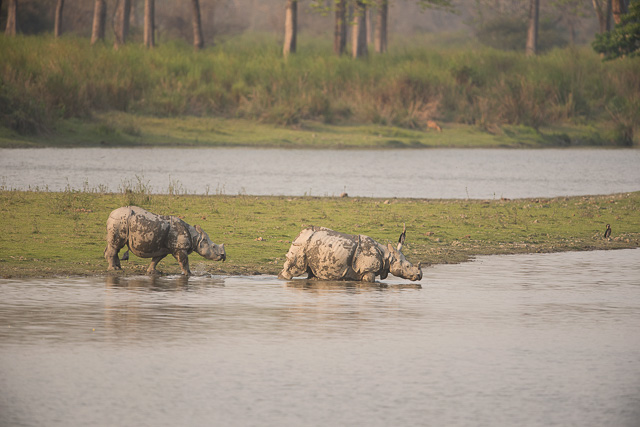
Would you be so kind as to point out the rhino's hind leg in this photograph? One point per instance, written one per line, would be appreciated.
(154, 262)
(111, 255)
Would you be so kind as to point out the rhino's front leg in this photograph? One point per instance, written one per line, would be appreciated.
(310, 274)
(369, 277)
(183, 260)
(154, 262)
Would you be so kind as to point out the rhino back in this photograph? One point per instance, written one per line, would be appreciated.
(329, 254)
(148, 233)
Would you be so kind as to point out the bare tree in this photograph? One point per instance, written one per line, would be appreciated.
(380, 42)
(359, 37)
(12, 21)
(57, 29)
(122, 23)
(532, 33)
(99, 21)
(290, 27)
(340, 29)
(198, 39)
(149, 23)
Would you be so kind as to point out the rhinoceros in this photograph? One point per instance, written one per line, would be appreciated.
(148, 235)
(331, 255)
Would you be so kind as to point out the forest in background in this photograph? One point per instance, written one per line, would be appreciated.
(488, 19)
(466, 67)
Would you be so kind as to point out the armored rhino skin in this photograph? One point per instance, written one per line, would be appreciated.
(155, 236)
(330, 255)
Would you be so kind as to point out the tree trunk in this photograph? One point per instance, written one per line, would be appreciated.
(618, 8)
(57, 28)
(381, 26)
(532, 34)
(370, 26)
(134, 13)
(198, 39)
(572, 32)
(603, 10)
(340, 29)
(12, 21)
(359, 37)
(149, 23)
(290, 27)
(122, 23)
(99, 21)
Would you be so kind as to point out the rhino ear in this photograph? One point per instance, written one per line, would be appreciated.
(391, 248)
(403, 236)
(198, 229)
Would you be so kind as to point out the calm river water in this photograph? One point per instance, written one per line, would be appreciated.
(523, 340)
(433, 173)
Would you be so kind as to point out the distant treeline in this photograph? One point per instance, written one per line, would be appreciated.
(43, 79)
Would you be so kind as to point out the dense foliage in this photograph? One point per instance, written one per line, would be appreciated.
(624, 39)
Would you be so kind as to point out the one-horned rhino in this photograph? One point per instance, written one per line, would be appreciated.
(148, 235)
(330, 255)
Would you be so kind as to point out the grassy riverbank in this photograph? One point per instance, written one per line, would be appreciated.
(46, 234)
(64, 92)
(117, 129)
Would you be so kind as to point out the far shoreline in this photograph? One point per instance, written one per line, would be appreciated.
(129, 130)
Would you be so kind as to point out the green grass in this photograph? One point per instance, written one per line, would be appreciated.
(44, 234)
(46, 84)
(127, 130)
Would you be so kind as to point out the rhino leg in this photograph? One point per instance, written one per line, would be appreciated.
(111, 255)
(154, 262)
(310, 273)
(369, 277)
(117, 235)
(183, 260)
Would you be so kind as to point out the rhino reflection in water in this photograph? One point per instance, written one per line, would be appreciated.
(330, 255)
(154, 236)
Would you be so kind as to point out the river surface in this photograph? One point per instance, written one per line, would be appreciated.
(432, 173)
(521, 340)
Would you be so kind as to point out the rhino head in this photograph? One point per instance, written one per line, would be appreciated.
(206, 248)
(398, 264)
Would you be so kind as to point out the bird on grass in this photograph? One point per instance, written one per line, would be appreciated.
(607, 232)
